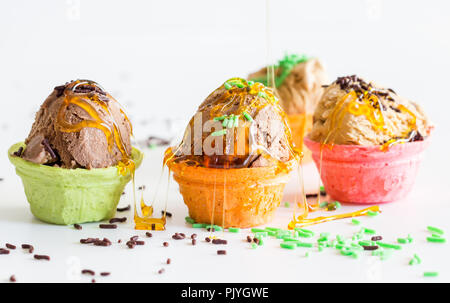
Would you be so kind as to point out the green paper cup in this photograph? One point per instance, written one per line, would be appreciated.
(68, 196)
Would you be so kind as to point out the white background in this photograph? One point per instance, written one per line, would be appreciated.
(160, 59)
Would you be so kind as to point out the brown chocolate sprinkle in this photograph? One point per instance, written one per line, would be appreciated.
(120, 220)
(10, 246)
(249, 239)
(219, 241)
(207, 239)
(168, 261)
(161, 271)
(193, 236)
(134, 238)
(221, 252)
(210, 229)
(148, 234)
(48, 148)
(157, 141)
(29, 247)
(59, 90)
(105, 273)
(194, 241)
(88, 272)
(140, 242)
(178, 236)
(4, 251)
(12, 278)
(131, 244)
(376, 238)
(165, 244)
(167, 213)
(108, 226)
(42, 257)
(119, 241)
(128, 207)
(142, 187)
(18, 153)
(93, 280)
(78, 226)
(370, 247)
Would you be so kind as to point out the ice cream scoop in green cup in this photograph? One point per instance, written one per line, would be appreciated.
(68, 196)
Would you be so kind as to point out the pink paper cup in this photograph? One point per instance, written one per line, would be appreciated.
(366, 174)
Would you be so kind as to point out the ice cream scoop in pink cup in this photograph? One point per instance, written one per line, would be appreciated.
(367, 174)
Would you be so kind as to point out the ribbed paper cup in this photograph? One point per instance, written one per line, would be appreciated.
(366, 174)
(300, 125)
(68, 196)
(238, 197)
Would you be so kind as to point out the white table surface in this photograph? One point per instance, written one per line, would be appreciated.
(427, 205)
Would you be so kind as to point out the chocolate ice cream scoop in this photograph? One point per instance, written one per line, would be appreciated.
(240, 124)
(298, 80)
(80, 126)
(355, 112)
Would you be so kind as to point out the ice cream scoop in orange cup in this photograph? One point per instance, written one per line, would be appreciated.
(234, 171)
(298, 81)
(367, 142)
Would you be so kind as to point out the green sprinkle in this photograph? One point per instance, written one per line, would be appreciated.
(272, 229)
(234, 229)
(388, 245)
(225, 122)
(254, 245)
(250, 83)
(240, 85)
(260, 242)
(257, 230)
(236, 121)
(410, 239)
(356, 222)
(402, 241)
(304, 230)
(304, 235)
(337, 204)
(320, 248)
(365, 243)
(198, 225)
(417, 258)
(322, 188)
(436, 240)
(219, 118)
(247, 116)
(230, 122)
(323, 204)
(227, 85)
(304, 244)
(436, 235)
(288, 245)
(263, 95)
(219, 133)
(435, 230)
(369, 231)
(261, 234)
(307, 254)
(372, 213)
(189, 220)
(430, 274)
(289, 239)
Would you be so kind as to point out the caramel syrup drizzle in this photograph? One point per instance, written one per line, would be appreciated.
(367, 105)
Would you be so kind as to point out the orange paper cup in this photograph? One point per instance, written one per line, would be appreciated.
(366, 174)
(300, 125)
(238, 197)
